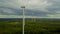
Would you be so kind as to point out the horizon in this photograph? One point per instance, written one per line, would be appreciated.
(14, 16)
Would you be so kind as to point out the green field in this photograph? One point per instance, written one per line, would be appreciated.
(31, 27)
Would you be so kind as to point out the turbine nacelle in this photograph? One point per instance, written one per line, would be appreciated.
(22, 6)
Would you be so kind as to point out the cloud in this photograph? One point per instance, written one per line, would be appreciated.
(36, 4)
(47, 8)
(30, 4)
(9, 11)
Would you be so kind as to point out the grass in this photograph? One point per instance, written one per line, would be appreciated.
(31, 27)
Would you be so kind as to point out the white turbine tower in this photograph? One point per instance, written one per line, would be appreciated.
(33, 18)
(23, 8)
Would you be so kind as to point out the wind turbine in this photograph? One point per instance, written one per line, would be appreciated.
(32, 15)
(23, 9)
(33, 18)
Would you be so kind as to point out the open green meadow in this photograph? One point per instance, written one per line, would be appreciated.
(31, 27)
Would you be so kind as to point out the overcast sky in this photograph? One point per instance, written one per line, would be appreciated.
(42, 8)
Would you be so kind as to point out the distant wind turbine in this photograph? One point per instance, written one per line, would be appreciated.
(33, 18)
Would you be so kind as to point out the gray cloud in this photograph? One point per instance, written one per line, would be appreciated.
(38, 7)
